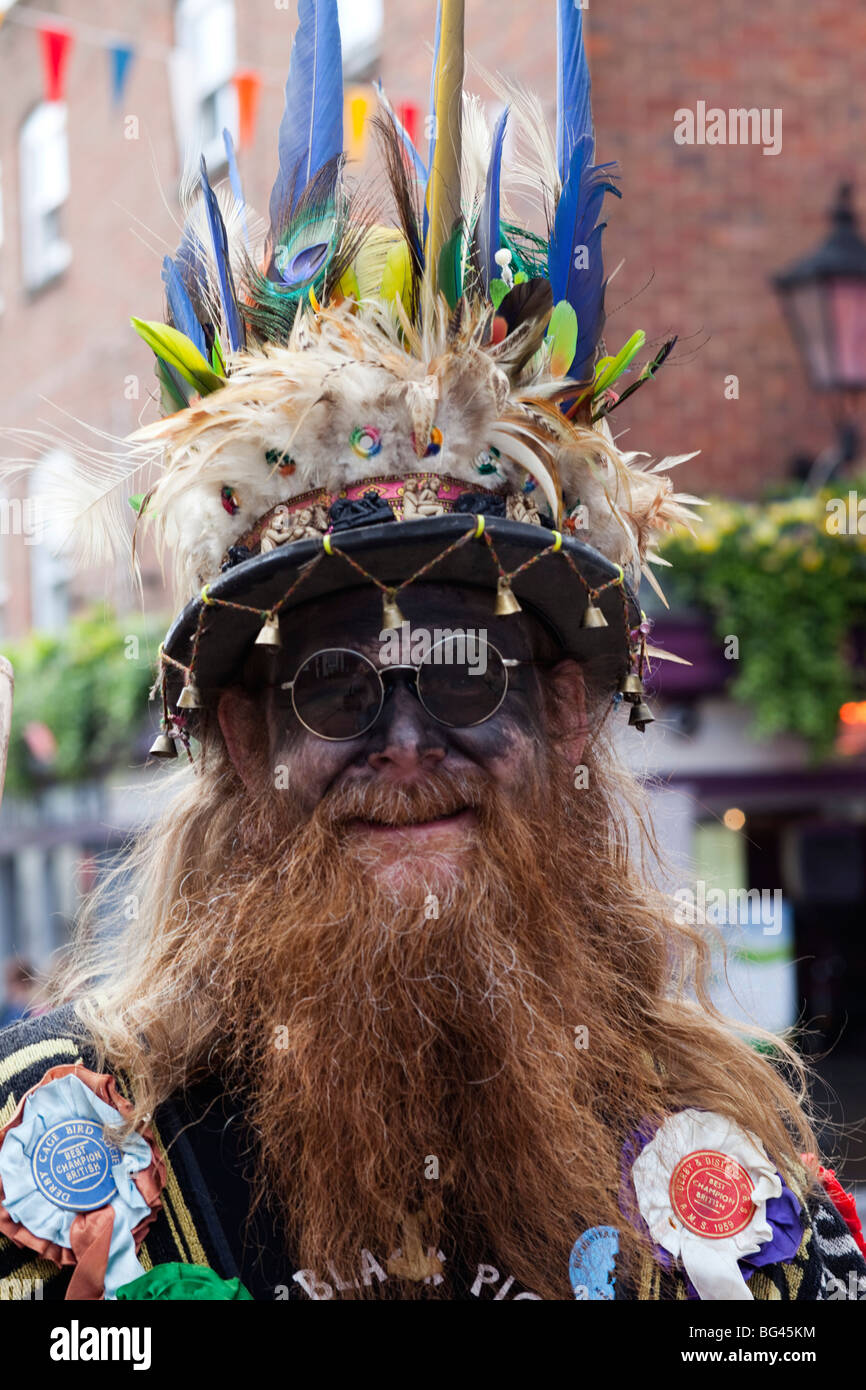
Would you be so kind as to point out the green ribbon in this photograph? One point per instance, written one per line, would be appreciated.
(179, 1281)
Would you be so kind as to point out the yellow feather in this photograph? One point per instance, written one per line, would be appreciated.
(396, 277)
(369, 263)
(443, 191)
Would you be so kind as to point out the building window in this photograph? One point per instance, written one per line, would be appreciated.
(50, 569)
(361, 34)
(203, 65)
(44, 154)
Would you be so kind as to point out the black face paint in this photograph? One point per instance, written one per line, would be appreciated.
(406, 741)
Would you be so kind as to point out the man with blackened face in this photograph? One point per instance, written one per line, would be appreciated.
(399, 1011)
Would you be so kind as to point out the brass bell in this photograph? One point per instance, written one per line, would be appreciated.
(506, 603)
(163, 747)
(631, 684)
(270, 633)
(593, 616)
(640, 716)
(190, 697)
(392, 618)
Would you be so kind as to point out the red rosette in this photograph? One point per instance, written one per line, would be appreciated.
(90, 1234)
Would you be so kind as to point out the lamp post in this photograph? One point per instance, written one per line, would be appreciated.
(823, 296)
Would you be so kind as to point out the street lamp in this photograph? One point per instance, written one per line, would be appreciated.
(824, 299)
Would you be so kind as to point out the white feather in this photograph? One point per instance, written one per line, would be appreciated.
(531, 170)
(82, 490)
(474, 157)
(512, 447)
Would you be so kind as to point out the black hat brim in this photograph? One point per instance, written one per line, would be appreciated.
(392, 552)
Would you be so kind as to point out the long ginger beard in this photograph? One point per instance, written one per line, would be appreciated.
(478, 1017)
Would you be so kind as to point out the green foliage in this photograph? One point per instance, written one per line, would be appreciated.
(790, 584)
(89, 685)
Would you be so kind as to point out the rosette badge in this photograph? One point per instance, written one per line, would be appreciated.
(711, 1197)
(71, 1194)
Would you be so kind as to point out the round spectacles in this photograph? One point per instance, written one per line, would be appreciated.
(338, 693)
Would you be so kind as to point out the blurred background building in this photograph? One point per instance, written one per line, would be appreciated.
(758, 751)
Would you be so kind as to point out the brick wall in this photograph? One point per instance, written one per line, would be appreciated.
(710, 223)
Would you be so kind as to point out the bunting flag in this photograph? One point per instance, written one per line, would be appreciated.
(56, 44)
(409, 116)
(356, 111)
(120, 57)
(248, 87)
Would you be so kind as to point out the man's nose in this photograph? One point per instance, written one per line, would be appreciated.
(405, 738)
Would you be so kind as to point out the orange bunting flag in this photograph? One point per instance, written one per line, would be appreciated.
(248, 87)
(356, 110)
(56, 44)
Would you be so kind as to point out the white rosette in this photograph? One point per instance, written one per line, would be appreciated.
(709, 1261)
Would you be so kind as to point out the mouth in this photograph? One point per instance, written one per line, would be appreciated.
(462, 818)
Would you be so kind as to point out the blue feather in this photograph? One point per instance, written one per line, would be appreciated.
(192, 267)
(220, 244)
(306, 244)
(183, 315)
(235, 181)
(575, 226)
(417, 161)
(311, 129)
(488, 218)
(573, 110)
(431, 144)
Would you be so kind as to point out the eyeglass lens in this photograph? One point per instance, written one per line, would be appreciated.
(338, 694)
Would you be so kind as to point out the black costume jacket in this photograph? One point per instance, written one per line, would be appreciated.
(205, 1217)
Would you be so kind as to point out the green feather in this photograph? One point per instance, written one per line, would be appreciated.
(498, 291)
(528, 251)
(614, 369)
(173, 393)
(451, 267)
(136, 501)
(562, 338)
(178, 352)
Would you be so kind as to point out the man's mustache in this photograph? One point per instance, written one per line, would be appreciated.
(440, 794)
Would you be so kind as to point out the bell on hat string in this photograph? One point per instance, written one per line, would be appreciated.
(163, 746)
(392, 618)
(190, 697)
(506, 603)
(631, 684)
(270, 633)
(640, 716)
(593, 616)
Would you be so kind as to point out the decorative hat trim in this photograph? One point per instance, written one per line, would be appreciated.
(373, 501)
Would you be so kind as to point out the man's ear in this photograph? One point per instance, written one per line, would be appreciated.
(569, 693)
(244, 729)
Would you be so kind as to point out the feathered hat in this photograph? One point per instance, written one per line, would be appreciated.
(349, 402)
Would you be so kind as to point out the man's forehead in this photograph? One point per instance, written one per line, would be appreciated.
(354, 618)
